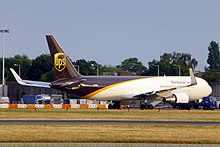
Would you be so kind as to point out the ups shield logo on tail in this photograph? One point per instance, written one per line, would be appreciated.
(59, 61)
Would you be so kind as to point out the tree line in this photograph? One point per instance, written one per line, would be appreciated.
(169, 64)
(212, 73)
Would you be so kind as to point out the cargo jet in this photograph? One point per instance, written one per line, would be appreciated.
(119, 89)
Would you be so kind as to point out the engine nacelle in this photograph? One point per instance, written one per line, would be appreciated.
(178, 98)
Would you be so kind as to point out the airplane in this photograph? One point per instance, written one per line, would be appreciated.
(119, 89)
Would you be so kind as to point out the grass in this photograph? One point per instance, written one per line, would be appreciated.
(110, 133)
(88, 114)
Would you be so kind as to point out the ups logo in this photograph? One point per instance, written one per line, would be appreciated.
(59, 61)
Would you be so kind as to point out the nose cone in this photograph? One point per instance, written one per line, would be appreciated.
(209, 90)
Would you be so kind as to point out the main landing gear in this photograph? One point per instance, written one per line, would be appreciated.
(146, 106)
(115, 105)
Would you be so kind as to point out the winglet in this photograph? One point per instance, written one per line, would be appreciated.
(28, 82)
(192, 77)
(18, 79)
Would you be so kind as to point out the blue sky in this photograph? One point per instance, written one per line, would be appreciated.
(109, 31)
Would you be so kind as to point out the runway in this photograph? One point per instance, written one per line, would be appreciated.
(57, 144)
(102, 122)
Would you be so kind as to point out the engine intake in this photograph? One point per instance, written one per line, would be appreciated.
(178, 98)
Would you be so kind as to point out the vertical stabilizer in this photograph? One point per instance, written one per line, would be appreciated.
(63, 67)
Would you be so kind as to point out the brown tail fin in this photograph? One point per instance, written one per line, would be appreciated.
(62, 64)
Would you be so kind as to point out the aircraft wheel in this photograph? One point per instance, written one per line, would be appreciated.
(110, 106)
(142, 106)
(150, 107)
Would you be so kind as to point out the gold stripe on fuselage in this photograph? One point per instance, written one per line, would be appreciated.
(108, 87)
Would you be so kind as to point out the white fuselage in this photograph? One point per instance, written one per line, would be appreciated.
(130, 88)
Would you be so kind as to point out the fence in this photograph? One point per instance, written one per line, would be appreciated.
(54, 106)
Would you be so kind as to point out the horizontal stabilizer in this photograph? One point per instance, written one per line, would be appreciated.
(73, 83)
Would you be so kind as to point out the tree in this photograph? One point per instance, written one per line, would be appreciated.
(24, 64)
(211, 76)
(169, 62)
(83, 66)
(213, 56)
(132, 65)
(48, 76)
(86, 68)
(41, 65)
(109, 68)
(212, 73)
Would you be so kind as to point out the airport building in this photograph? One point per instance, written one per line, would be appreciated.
(16, 91)
(5, 91)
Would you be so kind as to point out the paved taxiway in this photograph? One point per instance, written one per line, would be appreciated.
(116, 122)
(104, 145)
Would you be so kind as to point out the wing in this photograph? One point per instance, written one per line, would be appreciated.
(155, 94)
(165, 93)
(28, 82)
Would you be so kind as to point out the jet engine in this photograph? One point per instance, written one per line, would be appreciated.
(178, 98)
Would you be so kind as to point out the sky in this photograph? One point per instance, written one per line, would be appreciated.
(110, 31)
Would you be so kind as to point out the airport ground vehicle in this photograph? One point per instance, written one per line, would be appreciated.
(207, 103)
(4, 100)
(42, 99)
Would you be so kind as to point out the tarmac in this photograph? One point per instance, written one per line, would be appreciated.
(103, 145)
(117, 122)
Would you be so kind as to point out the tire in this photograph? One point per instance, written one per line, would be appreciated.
(110, 106)
(142, 107)
(150, 107)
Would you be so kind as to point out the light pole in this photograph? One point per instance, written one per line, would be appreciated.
(19, 69)
(97, 69)
(3, 31)
(77, 67)
(158, 69)
(178, 68)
